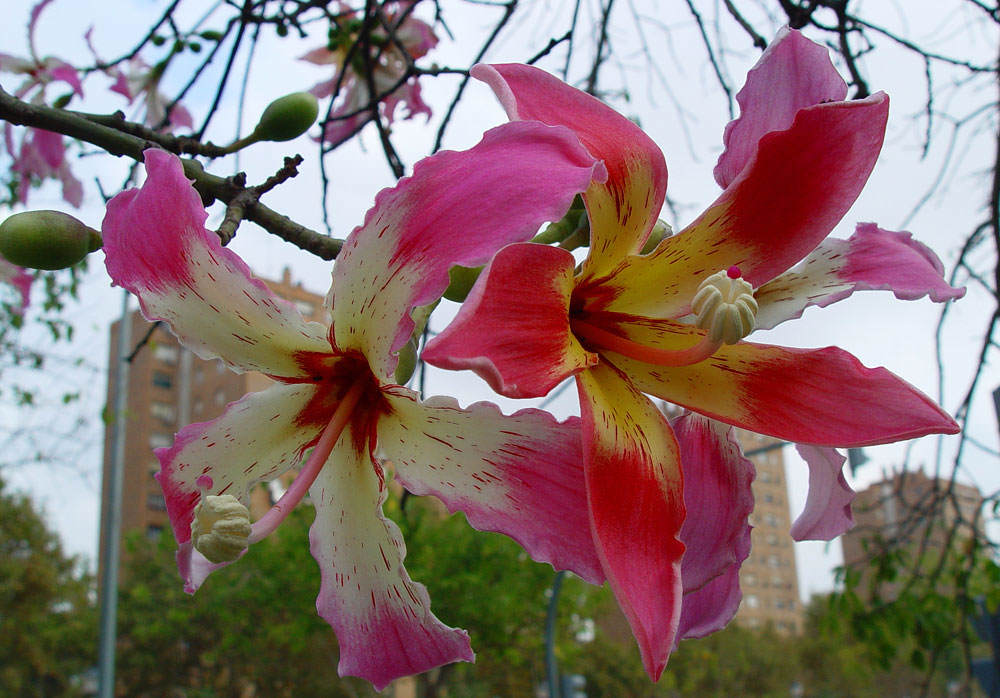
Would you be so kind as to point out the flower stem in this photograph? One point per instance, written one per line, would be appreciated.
(265, 525)
(602, 339)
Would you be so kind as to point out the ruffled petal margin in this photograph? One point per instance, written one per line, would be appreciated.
(871, 259)
(792, 74)
(156, 246)
(520, 475)
(513, 329)
(635, 491)
(382, 618)
(827, 513)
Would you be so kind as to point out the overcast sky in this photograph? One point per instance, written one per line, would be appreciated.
(687, 122)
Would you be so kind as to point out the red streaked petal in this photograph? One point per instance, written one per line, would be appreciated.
(824, 397)
(521, 475)
(456, 208)
(792, 74)
(827, 513)
(782, 205)
(622, 210)
(513, 329)
(157, 247)
(871, 259)
(382, 618)
(635, 489)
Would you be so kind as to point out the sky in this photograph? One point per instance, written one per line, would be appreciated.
(662, 78)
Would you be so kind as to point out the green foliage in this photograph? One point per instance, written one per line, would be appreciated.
(47, 620)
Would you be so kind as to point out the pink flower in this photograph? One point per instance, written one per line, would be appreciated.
(40, 155)
(334, 391)
(408, 40)
(668, 505)
(139, 80)
(20, 279)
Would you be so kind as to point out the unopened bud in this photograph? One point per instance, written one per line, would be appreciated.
(462, 280)
(287, 117)
(221, 528)
(46, 240)
(661, 230)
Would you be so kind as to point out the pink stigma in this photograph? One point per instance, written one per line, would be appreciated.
(733, 272)
(204, 482)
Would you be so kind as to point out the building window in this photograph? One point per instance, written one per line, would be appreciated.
(773, 561)
(752, 601)
(220, 367)
(153, 532)
(220, 396)
(160, 440)
(166, 353)
(198, 406)
(772, 539)
(156, 502)
(163, 411)
(162, 380)
(770, 519)
(750, 580)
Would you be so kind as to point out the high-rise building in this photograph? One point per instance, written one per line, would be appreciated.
(910, 512)
(769, 577)
(168, 388)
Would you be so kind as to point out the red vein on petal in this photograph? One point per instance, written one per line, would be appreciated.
(602, 339)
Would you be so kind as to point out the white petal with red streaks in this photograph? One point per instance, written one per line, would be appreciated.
(382, 618)
(157, 247)
(521, 475)
(871, 259)
(257, 438)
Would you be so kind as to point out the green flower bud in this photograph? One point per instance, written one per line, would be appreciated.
(407, 362)
(61, 101)
(660, 231)
(462, 280)
(211, 35)
(287, 117)
(158, 40)
(281, 30)
(46, 240)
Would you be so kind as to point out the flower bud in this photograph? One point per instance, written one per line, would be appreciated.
(661, 230)
(46, 240)
(287, 117)
(462, 279)
(407, 362)
(221, 528)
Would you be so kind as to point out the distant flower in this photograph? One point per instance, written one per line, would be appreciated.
(40, 154)
(668, 506)
(20, 279)
(334, 395)
(139, 80)
(403, 39)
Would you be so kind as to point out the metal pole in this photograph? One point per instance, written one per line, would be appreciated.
(550, 641)
(111, 513)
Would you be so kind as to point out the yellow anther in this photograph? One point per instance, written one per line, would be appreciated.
(725, 306)
(221, 528)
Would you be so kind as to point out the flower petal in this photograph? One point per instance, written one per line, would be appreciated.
(827, 513)
(781, 206)
(872, 259)
(157, 247)
(513, 329)
(257, 438)
(623, 209)
(718, 499)
(792, 74)
(20, 279)
(382, 618)
(456, 208)
(824, 397)
(710, 608)
(635, 490)
(520, 475)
